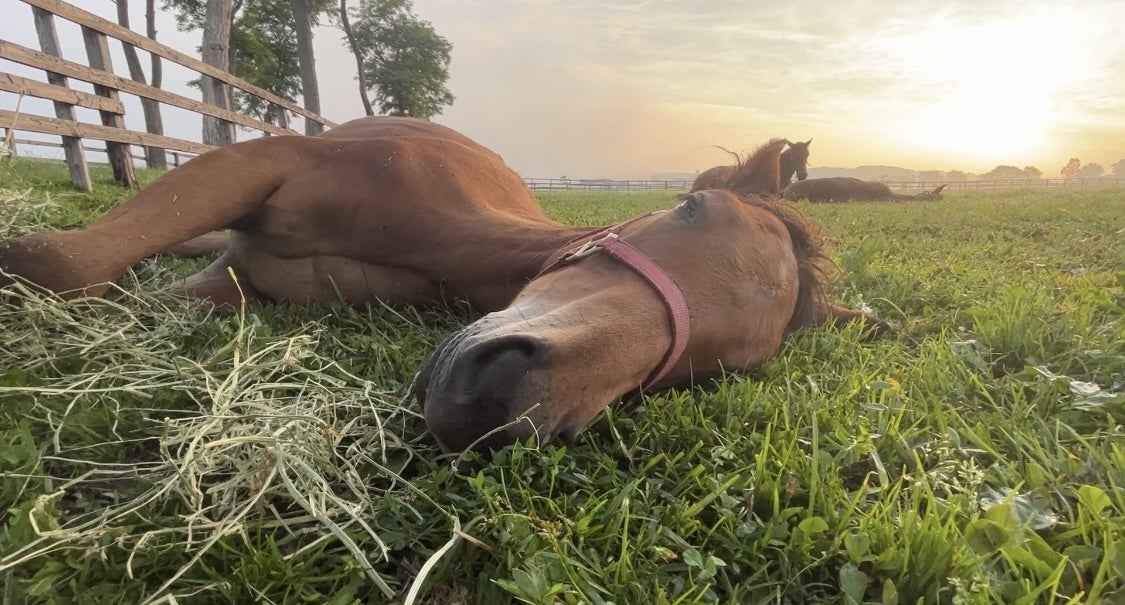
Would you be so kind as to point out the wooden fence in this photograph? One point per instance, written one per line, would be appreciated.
(642, 185)
(107, 86)
(178, 157)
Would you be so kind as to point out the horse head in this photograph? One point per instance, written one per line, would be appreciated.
(931, 195)
(795, 160)
(594, 327)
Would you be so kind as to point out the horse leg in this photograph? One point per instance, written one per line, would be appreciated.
(201, 246)
(208, 193)
(829, 314)
(214, 283)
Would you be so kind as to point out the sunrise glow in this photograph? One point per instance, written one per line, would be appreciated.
(630, 89)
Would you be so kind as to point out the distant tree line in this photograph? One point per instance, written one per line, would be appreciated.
(1074, 169)
(401, 60)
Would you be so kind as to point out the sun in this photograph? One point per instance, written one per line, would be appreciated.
(982, 126)
(992, 89)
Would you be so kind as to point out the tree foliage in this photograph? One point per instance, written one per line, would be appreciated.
(263, 48)
(406, 62)
(1032, 172)
(1092, 170)
(1003, 172)
(1118, 168)
(1071, 169)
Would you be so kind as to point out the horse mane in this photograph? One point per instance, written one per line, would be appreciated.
(810, 259)
(758, 172)
(734, 154)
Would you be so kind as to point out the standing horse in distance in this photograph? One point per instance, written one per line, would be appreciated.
(848, 189)
(408, 212)
(794, 161)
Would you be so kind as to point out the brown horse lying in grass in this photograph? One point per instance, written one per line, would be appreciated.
(408, 212)
(848, 189)
(794, 161)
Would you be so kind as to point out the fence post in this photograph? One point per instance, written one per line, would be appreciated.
(9, 140)
(120, 158)
(72, 146)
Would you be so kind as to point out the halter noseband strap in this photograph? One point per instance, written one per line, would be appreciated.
(609, 242)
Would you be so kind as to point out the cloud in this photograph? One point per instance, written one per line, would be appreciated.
(628, 88)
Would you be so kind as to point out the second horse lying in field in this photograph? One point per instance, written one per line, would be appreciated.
(406, 211)
(848, 189)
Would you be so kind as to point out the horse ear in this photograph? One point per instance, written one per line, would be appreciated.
(809, 142)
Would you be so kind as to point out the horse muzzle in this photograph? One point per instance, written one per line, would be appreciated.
(476, 391)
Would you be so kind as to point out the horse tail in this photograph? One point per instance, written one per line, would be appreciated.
(215, 190)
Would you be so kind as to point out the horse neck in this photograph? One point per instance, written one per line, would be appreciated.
(509, 257)
(528, 249)
(787, 170)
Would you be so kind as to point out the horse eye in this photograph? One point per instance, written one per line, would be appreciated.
(688, 209)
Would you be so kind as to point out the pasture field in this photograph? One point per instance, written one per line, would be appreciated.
(155, 450)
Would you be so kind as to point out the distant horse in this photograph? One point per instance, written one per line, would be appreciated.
(794, 160)
(408, 212)
(846, 189)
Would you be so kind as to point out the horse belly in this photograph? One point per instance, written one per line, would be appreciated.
(324, 278)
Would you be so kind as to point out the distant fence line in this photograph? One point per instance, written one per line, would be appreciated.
(539, 184)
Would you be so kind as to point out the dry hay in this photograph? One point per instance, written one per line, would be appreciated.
(275, 432)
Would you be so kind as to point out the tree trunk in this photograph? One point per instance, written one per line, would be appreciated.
(358, 58)
(154, 156)
(216, 41)
(157, 67)
(309, 88)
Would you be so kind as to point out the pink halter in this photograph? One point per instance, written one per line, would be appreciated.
(608, 240)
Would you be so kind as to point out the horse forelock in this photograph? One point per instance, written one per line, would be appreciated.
(809, 254)
(796, 152)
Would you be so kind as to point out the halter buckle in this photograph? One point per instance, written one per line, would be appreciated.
(589, 248)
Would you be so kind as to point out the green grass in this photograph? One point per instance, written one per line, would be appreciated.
(153, 448)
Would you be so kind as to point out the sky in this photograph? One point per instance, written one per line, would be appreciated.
(629, 89)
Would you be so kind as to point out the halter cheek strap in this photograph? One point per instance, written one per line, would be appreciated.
(609, 242)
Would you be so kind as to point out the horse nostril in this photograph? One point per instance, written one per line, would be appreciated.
(569, 436)
(491, 367)
(475, 388)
